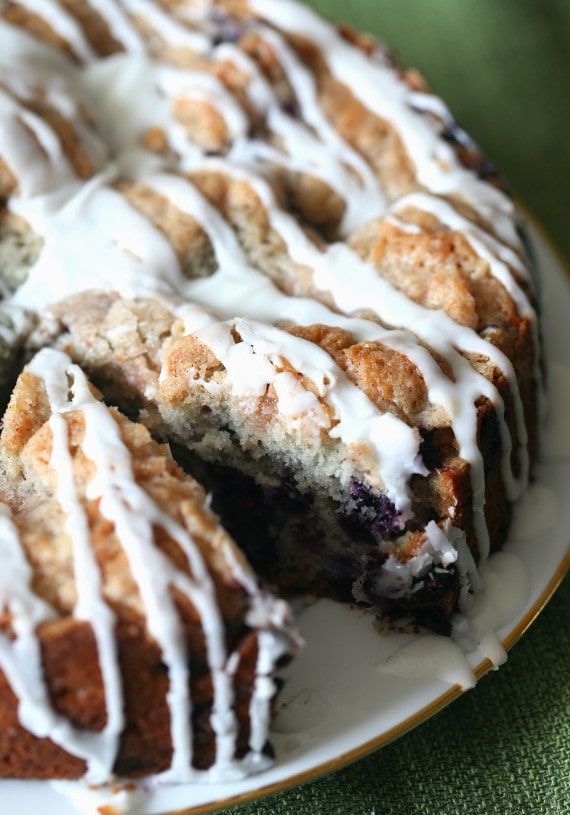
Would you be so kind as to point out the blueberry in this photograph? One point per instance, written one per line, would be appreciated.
(370, 510)
(227, 30)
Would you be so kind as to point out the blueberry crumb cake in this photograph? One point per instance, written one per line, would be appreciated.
(268, 327)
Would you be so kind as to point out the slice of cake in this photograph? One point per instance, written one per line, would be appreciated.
(135, 638)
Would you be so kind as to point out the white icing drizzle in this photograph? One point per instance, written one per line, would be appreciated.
(122, 28)
(31, 149)
(430, 656)
(106, 86)
(132, 257)
(62, 23)
(21, 659)
(171, 31)
(476, 631)
(334, 260)
(21, 662)
(503, 595)
(196, 11)
(250, 364)
(129, 255)
(28, 144)
(329, 274)
(382, 92)
(365, 289)
(198, 85)
(397, 577)
(427, 102)
(134, 516)
(90, 605)
(500, 258)
(384, 443)
(488, 248)
(31, 56)
(328, 156)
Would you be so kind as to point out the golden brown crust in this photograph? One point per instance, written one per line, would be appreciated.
(389, 379)
(35, 25)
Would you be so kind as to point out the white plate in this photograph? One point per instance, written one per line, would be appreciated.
(340, 705)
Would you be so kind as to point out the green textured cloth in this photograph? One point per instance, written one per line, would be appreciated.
(503, 67)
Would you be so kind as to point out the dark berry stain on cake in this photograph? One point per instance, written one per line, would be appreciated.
(470, 155)
(227, 30)
(369, 511)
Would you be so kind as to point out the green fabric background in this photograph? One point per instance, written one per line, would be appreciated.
(503, 67)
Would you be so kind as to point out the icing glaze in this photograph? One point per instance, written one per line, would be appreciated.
(130, 255)
(504, 590)
(504, 593)
(378, 88)
(63, 24)
(430, 656)
(534, 513)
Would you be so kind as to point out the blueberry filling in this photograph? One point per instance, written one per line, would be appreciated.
(370, 511)
(428, 599)
(291, 108)
(226, 30)
(455, 135)
(300, 543)
(469, 154)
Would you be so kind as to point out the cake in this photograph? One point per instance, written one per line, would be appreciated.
(274, 253)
